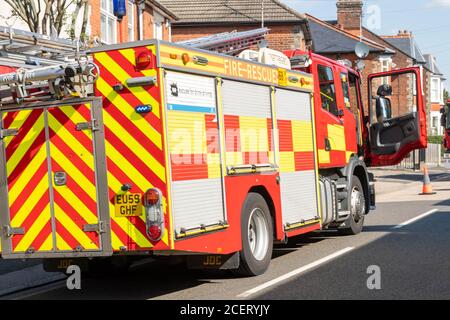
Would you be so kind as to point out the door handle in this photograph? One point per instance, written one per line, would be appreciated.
(60, 178)
(327, 145)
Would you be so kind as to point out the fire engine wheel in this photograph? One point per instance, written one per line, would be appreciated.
(355, 222)
(257, 236)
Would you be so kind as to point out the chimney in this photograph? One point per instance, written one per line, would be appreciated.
(404, 34)
(349, 15)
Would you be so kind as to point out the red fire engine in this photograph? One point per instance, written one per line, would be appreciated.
(180, 151)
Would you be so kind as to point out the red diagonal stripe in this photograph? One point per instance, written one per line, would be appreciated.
(126, 94)
(29, 189)
(134, 159)
(42, 236)
(70, 126)
(135, 132)
(72, 213)
(74, 186)
(66, 235)
(34, 214)
(8, 120)
(73, 157)
(26, 159)
(27, 126)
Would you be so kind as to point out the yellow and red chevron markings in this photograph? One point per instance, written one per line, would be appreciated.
(27, 174)
(74, 205)
(134, 142)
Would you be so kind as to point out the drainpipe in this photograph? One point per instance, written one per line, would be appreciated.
(140, 24)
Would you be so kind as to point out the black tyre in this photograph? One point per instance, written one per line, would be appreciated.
(257, 236)
(355, 223)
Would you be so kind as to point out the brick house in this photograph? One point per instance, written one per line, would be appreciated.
(145, 19)
(400, 51)
(436, 95)
(199, 18)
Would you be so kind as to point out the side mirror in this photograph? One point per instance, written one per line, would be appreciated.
(383, 109)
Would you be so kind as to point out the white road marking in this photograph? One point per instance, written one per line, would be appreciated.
(294, 273)
(426, 214)
(445, 176)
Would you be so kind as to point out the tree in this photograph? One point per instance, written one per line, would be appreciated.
(446, 96)
(49, 17)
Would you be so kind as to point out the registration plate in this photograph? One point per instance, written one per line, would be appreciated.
(128, 205)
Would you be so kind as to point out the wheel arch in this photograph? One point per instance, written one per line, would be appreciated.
(358, 168)
(262, 191)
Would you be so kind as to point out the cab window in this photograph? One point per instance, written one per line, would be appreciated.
(327, 89)
(345, 90)
(354, 94)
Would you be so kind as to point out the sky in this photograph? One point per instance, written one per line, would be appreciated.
(429, 20)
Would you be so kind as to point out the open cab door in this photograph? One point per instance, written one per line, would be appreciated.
(396, 121)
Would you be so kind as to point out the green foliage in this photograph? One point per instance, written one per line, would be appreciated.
(435, 139)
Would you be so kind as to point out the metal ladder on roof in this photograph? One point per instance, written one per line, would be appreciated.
(20, 48)
(230, 43)
(46, 68)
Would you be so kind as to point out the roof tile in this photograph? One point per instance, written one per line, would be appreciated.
(243, 11)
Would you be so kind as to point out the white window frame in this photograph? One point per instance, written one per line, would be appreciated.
(158, 25)
(386, 66)
(131, 20)
(435, 90)
(108, 14)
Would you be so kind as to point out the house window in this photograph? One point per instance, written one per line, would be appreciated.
(435, 125)
(435, 90)
(158, 26)
(131, 19)
(108, 22)
(327, 89)
(386, 66)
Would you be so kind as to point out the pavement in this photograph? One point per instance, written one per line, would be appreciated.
(406, 238)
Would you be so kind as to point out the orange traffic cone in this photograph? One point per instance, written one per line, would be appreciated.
(427, 188)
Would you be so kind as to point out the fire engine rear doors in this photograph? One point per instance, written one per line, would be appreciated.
(53, 196)
(397, 116)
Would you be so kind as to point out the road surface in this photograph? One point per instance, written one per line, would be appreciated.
(407, 239)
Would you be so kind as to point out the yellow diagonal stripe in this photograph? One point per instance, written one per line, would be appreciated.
(74, 229)
(73, 171)
(34, 231)
(70, 140)
(27, 174)
(137, 148)
(62, 244)
(30, 203)
(121, 75)
(17, 123)
(48, 244)
(25, 145)
(129, 112)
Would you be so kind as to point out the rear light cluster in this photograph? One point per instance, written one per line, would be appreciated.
(144, 60)
(154, 214)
